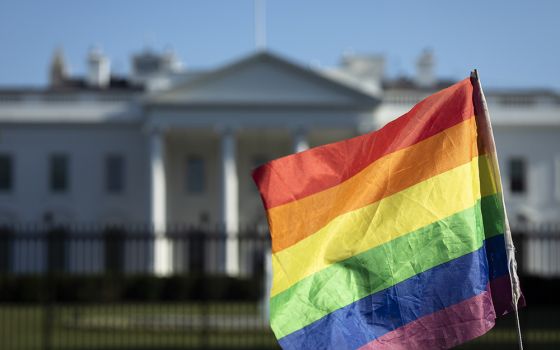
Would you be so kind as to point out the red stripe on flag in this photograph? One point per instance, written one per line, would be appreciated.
(297, 176)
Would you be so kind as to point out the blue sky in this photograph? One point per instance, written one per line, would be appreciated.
(512, 43)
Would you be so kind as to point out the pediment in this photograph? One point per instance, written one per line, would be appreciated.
(263, 79)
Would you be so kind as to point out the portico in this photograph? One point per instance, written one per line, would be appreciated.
(207, 135)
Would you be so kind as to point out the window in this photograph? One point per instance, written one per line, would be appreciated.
(6, 173)
(114, 173)
(196, 175)
(518, 175)
(58, 172)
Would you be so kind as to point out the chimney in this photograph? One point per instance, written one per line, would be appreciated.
(425, 76)
(170, 63)
(99, 69)
(368, 70)
(58, 72)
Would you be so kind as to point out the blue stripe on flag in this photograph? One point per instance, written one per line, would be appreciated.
(377, 314)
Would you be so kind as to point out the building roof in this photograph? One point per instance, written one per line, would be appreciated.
(260, 80)
(263, 79)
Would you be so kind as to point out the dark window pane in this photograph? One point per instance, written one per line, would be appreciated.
(196, 175)
(6, 172)
(114, 173)
(518, 175)
(59, 180)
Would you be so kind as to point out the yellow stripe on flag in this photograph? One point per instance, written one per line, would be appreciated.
(362, 229)
(294, 221)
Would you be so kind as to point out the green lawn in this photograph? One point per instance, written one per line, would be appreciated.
(540, 330)
(225, 325)
(136, 326)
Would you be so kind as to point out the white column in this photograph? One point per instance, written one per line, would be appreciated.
(265, 301)
(300, 140)
(162, 246)
(230, 201)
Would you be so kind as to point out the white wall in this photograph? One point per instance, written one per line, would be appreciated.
(86, 146)
(539, 146)
(183, 207)
(87, 200)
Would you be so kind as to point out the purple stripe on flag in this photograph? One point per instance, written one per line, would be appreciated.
(442, 329)
(501, 295)
(356, 324)
(371, 317)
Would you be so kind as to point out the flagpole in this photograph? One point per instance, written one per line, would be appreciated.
(481, 110)
(260, 24)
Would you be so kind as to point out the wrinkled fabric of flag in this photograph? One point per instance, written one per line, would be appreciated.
(395, 239)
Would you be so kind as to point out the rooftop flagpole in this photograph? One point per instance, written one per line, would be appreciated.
(260, 25)
(485, 131)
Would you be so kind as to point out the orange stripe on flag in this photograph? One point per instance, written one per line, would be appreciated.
(395, 172)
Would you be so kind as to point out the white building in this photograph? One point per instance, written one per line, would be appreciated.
(170, 145)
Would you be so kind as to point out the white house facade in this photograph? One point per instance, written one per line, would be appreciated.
(169, 146)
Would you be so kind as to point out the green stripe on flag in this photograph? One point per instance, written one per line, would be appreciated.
(354, 278)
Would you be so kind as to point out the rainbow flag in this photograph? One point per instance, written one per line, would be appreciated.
(395, 239)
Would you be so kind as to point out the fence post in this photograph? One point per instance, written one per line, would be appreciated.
(200, 239)
(114, 250)
(6, 239)
(56, 241)
(520, 241)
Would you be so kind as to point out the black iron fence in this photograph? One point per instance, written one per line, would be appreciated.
(538, 250)
(86, 249)
(85, 287)
(93, 287)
